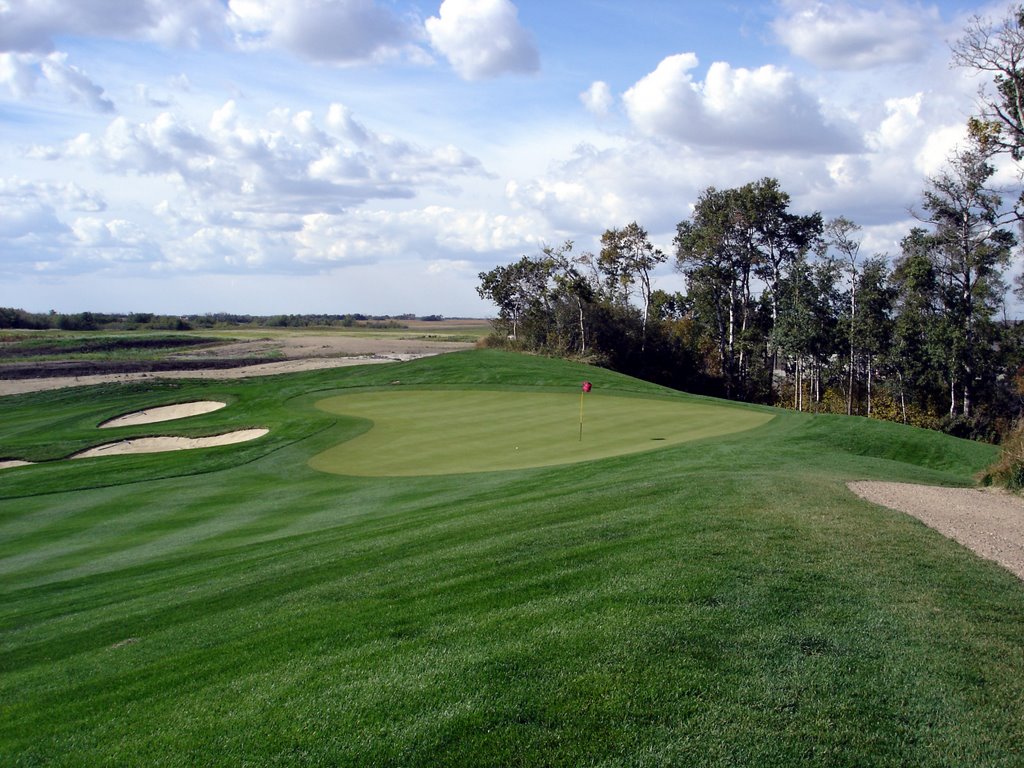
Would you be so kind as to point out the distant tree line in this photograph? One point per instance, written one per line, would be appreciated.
(783, 308)
(97, 321)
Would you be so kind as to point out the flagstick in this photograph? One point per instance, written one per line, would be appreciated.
(581, 417)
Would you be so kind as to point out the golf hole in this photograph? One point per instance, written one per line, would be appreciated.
(424, 432)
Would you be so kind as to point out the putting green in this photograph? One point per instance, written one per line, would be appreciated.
(422, 432)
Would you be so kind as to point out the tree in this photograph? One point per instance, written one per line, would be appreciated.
(808, 316)
(516, 289)
(841, 236)
(915, 354)
(705, 256)
(627, 257)
(997, 49)
(736, 241)
(971, 246)
(571, 285)
(874, 326)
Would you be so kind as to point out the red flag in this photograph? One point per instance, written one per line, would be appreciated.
(587, 386)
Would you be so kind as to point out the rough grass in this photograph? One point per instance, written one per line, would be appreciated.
(720, 602)
(1007, 470)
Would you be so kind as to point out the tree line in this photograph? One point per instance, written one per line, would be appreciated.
(783, 307)
(14, 318)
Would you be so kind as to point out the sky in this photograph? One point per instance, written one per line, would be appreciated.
(340, 156)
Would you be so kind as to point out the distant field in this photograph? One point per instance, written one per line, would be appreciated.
(34, 354)
(449, 330)
(719, 601)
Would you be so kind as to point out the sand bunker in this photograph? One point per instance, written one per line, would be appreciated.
(14, 463)
(164, 413)
(989, 523)
(160, 444)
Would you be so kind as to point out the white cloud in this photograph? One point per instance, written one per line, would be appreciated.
(598, 98)
(338, 31)
(840, 35)
(734, 108)
(482, 38)
(23, 72)
(281, 163)
(31, 209)
(464, 235)
(32, 26)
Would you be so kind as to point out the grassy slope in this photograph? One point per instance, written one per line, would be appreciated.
(725, 602)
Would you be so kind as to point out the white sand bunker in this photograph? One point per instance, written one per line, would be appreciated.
(14, 463)
(160, 444)
(164, 413)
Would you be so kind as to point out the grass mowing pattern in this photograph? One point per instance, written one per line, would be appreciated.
(722, 602)
(438, 433)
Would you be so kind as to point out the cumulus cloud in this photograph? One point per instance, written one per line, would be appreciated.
(283, 162)
(735, 108)
(22, 73)
(839, 35)
(281, 192)
(342, 31)
(463, 234)
(482, 38)
(598, 98)
(32, 26)
(339, 31)
(59, 228)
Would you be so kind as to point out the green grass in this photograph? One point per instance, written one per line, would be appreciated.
(427, 432)
(724, 601)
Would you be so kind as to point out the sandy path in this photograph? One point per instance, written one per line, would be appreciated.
(989, 523)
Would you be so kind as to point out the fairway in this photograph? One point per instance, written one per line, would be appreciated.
(722, 601)
(422, 432)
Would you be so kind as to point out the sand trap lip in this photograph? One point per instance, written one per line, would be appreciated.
(164, 413)
(161, 444)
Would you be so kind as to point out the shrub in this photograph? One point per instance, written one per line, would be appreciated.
(1008, 470)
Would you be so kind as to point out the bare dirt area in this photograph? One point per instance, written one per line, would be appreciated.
(990, 523)
(288, 353)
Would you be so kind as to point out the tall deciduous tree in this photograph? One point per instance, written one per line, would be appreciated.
(843, 236)
(915, 351)
(628, 258)
(518, 290)
(738, 241)
(971, 248)
(874, 326)
(996, 48)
